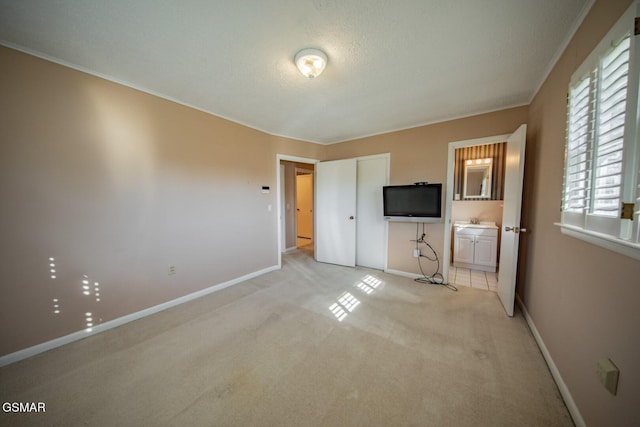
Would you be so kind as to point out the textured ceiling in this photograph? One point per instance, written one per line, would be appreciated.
(392, 64)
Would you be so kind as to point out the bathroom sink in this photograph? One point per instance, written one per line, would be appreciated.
(482, 224)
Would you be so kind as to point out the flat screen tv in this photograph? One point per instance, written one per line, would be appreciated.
(412, 203)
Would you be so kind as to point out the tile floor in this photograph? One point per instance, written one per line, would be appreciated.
(473, 278)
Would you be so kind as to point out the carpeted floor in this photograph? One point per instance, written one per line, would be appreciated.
(309, 345)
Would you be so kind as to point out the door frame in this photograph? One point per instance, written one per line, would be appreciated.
(279, 198)
(446, 257)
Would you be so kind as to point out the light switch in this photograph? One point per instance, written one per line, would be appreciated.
(608, 373)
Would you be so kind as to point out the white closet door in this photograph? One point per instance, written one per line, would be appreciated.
(335, 212)
(370, 226)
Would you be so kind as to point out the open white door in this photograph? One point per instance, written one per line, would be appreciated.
(514, 173)
(335, 207)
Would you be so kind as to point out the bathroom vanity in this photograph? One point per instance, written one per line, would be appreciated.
(475, 245)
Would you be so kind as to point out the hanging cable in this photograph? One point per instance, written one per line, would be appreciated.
(436, 278)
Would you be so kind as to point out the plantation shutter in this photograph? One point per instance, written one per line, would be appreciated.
(601, 188)
(609, 141)
(579, 131)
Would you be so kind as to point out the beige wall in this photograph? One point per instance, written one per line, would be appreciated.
(119, 185)
(420, 154)
(583, 299)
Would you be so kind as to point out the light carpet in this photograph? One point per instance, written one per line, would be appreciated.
(308, 345)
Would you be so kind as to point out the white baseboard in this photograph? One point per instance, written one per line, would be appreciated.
(75, 336)
(403, 273)
(555, 373)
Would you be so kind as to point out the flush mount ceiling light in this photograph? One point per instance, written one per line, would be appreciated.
(311, 62)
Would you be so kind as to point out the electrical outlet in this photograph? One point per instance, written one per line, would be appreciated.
(172, 270)
(608, 373)
(416, 253)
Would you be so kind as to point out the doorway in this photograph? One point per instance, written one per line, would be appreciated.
(304, 207)
(287, 202)
(476, 215)
(510, 229)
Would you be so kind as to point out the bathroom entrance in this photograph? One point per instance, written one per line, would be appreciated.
(481, 238)
(476, 215)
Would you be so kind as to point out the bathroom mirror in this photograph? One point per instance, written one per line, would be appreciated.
(477, 179)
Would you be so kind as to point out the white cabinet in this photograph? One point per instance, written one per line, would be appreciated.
(475, 246)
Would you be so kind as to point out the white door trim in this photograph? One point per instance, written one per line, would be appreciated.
(446, 258)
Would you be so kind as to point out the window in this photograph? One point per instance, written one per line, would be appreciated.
(602, 148)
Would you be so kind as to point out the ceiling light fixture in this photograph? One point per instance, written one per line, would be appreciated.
(311, 62)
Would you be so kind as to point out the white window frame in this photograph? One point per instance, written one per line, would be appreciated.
(619, 235)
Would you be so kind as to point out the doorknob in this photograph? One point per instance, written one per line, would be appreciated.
(515, 229)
